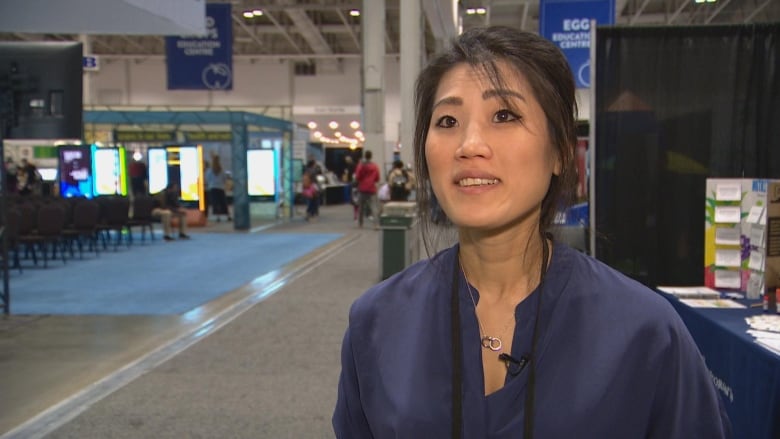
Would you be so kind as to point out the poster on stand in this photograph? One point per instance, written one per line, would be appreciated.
(75, 171)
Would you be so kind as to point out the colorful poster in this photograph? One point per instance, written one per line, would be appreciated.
(75, 174)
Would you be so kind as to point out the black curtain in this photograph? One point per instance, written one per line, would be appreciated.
(674, 106)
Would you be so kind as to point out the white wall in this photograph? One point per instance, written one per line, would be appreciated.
(257, 84)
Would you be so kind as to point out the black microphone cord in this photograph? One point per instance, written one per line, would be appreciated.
(518, 365)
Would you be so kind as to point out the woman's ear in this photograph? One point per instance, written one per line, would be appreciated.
(557, 165)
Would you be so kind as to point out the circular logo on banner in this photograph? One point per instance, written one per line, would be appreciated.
(217, 76)
(583, 74)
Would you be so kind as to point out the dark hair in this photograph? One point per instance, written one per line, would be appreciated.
(552, 84)
(398, 164)
(367, 155)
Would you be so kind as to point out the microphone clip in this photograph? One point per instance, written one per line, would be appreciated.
(513, 365)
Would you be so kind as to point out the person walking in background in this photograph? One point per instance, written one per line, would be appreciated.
(138, 174)
(166, 208)
(509, 333)
(367, 176)
(28, 179)
(399, 181)
(349, 179)
(11, 179)
(310, 191)
(216, 179)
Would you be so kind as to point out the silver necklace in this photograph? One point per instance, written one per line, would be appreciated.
(487, 341)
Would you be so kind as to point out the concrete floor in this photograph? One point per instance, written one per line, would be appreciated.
(50, 362)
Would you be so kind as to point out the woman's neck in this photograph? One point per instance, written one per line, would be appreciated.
(503, 268)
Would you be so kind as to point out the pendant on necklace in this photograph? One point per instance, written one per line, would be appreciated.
(492, 343)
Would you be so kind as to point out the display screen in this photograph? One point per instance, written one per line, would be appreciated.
(189, 173)
(106, 168)
(75, 165)
(45, 85)
(261, 172)
(48, 174)
(158, 169)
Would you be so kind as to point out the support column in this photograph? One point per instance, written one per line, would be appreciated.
(86, 48)
(411, 60)
(241, 219)
(373, 34)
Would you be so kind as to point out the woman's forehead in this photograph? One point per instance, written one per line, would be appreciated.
(466, 75)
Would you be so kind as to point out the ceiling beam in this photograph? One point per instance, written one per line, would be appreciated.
(638, 12)
(720, 7)
(678, 11)
(308, 31)
(284, 32)
(134, 43)
(757, 10)
(242, 25)
(349, 28)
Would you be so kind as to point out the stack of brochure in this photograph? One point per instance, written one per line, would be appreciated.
(766, 329)
(702, 297)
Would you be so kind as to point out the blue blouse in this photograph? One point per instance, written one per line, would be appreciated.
(613, 360)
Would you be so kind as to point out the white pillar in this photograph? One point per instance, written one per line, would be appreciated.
(411, 59)
(87, 76)
(373, 34)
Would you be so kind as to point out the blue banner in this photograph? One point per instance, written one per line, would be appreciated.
(567, 24)
(205, 62)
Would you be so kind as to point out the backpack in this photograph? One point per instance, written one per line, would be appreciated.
(398, 186)
(400, 180)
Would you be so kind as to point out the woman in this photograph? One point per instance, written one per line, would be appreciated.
(216, 179)
(509, 334)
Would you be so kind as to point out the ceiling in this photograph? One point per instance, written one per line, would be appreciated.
(323, 29)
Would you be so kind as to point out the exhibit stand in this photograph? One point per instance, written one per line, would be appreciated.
(742, 235)
(241, 129)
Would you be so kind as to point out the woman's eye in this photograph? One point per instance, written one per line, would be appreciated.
(446, 122)
(505, 116)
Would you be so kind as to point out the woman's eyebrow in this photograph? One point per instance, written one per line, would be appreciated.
(449, 100)
(502, 93)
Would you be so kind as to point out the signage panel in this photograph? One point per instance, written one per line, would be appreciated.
(567, 24)
(203, 63)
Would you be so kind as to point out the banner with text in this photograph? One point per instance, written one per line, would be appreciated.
(567, 24)
(203, 63)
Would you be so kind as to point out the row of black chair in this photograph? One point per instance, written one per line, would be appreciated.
(54, 225)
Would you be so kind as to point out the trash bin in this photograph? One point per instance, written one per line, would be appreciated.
(398, 239)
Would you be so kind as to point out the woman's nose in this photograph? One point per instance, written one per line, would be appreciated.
(474, 142)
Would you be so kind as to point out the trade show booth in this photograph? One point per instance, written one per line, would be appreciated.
(261, 170)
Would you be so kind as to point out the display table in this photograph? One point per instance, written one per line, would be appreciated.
(746, 374)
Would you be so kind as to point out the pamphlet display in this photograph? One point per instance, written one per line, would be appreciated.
(742, 235)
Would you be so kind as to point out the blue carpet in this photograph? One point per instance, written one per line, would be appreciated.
(157, 278)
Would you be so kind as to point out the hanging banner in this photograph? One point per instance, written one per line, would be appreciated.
(203, 63)
(567, 24)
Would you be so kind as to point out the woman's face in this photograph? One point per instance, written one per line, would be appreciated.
(490, 165)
